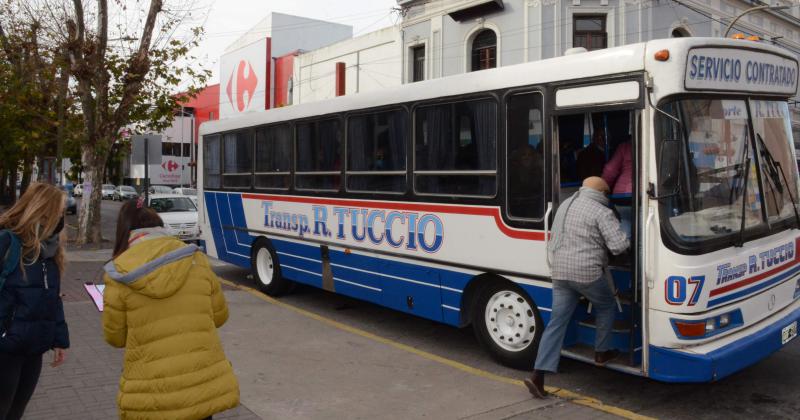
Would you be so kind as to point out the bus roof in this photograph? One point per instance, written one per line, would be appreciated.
(609, 61)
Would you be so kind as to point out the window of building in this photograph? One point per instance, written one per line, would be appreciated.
(376, 158)
(211, 162)
(484, 50)
(273, 157)
(418, 63)
(318, 161)
(456, 149)
(589, 31)
(237, 171)
(525, 156)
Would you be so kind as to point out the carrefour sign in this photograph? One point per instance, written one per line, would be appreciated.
(740, 70)
(244, 84)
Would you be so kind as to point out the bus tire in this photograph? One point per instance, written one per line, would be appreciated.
(507, 324)
(266, 269)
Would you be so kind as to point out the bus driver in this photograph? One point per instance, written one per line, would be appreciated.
(584, 227)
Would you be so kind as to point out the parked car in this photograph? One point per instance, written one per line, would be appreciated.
(78, 190)
(125, 192)
(160, 189)
(179, 214)
(184, 191)
(108, 191)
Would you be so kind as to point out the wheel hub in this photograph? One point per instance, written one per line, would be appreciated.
(264, 266)
(510, 320)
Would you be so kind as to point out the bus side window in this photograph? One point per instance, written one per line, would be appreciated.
(318, 160)
(376, 152)
(211, 162)
(525, 156)
(456, 149)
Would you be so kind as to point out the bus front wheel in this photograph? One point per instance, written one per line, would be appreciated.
(507, 323)
(266, 269)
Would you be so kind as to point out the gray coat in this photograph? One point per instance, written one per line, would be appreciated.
(584, 229)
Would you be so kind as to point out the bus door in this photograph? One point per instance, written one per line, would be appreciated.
(602, 141)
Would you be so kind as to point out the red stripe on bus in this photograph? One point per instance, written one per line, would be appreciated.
(434, 208)
(756, 278)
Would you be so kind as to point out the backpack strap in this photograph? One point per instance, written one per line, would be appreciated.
(11, 257)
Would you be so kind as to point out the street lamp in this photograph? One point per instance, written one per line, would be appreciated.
(752, 9)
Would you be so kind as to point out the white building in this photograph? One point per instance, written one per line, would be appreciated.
(248, 77)
(371, 62)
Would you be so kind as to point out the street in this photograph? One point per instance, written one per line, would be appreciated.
(314, 354)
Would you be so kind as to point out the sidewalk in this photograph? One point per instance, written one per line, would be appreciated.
(289, 366)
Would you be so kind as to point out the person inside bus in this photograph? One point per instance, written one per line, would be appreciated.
(526, 170)
(592, 158)
(583, 229)
(618, 174)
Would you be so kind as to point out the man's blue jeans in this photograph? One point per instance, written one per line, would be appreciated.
(565, 298)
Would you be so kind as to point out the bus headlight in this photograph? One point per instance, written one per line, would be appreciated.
(724, 320)
(695, 329)
(711, 325)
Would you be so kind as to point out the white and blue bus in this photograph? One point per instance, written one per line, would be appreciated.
(435, 199)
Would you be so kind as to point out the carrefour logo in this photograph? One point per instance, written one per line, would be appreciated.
(242, 87)
(170, 165)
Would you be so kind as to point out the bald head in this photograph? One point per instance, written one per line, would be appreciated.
(596, 183)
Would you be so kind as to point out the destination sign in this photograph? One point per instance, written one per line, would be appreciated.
(740, 70)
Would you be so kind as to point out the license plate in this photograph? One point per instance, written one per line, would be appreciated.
(788, 333)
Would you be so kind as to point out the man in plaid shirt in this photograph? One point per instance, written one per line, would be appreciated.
(584, 229)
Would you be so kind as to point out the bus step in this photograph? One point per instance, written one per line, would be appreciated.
(620, 325)
(585, 353)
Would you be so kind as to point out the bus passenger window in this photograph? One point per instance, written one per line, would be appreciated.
(525, 157)
(238, 155)
(456, 149)
(273, 157)
(376, 152)
(318, 155)
(211, 162)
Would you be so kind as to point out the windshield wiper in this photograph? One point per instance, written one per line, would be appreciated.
(746, 168)
(777, 165)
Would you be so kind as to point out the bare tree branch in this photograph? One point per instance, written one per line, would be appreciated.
(99, 64)
(139, 63)
(80, 20)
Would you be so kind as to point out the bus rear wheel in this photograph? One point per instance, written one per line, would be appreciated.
(266, 269)
(507, 323)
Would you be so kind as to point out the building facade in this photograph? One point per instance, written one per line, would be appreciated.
(370, 62)
(447, 37)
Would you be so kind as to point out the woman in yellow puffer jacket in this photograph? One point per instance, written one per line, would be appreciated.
(163, 304)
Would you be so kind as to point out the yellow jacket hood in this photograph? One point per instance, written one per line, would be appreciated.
(156, 267)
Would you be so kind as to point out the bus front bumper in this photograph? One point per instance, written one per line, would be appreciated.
(706, 363)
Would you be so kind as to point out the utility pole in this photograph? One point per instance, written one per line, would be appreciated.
(146, 170)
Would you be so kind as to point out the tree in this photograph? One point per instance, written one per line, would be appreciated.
(118, 89)
(30, 115)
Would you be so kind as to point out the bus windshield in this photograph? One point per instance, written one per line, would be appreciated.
(709, 166)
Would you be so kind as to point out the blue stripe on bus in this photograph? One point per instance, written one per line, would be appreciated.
(227, 210)
(437, 293)
(216, 226)
(733, 296)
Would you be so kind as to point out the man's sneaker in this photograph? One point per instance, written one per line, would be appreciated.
(603, 357)
(535, 385)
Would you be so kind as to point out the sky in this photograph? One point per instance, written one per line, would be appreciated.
(229, 19)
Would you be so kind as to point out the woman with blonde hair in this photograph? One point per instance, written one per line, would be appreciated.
(31, 312)
(163, 304)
